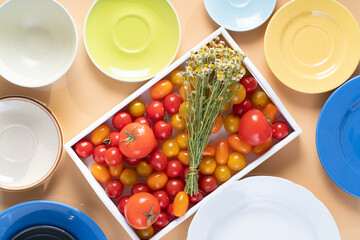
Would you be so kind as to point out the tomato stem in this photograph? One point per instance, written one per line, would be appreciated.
(150, 215)
(130, 136)
(107, 141)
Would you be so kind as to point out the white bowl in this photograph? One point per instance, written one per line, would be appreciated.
(38, 42)
(31, 143)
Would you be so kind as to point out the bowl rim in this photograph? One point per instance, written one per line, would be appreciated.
(60, 149)
(53, 78)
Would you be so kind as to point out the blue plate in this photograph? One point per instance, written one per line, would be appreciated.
(34, 213)
(338, 136)
(240, 15)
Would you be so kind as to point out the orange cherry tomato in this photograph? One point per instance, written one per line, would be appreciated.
(183, 91)
(262, 148)
(178, 122)
(137, 108)
(128, 177)
(177, 77)
(270, 111)
(115, 171)
(239, 95)
(100, 173)
(145, 233)
(181, 203)
(219, 121)
(259, 98)
(226, 107)
(209, 151)
(222, 152)
(182, 139)
(231, 123)
(207, 166)
(144, 169)
(222, 173)
(237, 161)
(170, 148)
(239, 145)
(184, 109)
(100, 134)
(184, 158)
(157, 180)
(161, 89)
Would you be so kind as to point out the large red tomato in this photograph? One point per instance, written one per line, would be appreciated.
(136, 140)
(254, 127)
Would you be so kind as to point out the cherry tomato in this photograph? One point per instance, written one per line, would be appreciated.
(142, 210)
(145, 233)
(144, 169)
(163, 198)
(157, 180)
(222, 152)
(184, 158)
(259, 99)
(226, 107)
(172, 103)
(241, 108)
(139, 187)
(254, 128)
(208, 183)
(162, 130)
(182, 139)
(170, 210)
(174, 169)
(158, 161)
(184, 110)
(173, 186)
(170, 148)
(181, 203)
(237, 161)
(186, 172)
(177, 77)
(239, 145)
(178, 122)
(270, 111)
(195, 198)
(114, 188)
(156, 146)
(209, 151)
(280, 130)
(239, 95)
(262, 148)
(99, 153)
(100, 173)
(113, 139)
(122, 202)
(231, 123)
(163, 220)
(183, 91)
(249, 83)
(136, 140)
(207, 166)
(115, 171)
(137, 108)
(84, 148)
(100, 134)
(161, 89)
(128, 177)
(143, 120)
(132, 161)
(113, 156)
(121, 119)
(155, 110)
(222, 173)
(219, 121)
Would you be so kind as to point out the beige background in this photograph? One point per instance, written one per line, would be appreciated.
(84, 94)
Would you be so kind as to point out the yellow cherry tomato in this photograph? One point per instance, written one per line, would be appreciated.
(137, 108)
(239, 95)
(184, 109)
(161, 89)
(259, 98)
(183, 91)
(226, 107)
(178, 122)
(239, 145)
(219, 121)
(181, 203)
(144, 169)
(145, 233)
(100, 134)
(182, 139)
(184, 158)
(207, 166)
(209, 151)
(128, 177)
(177, 77)
(237, 161)
(262, 148)
(222, 173)
(115, 171)
(222, 152)
(157, 180)
(170, 148)
(270, 111)
(100, 173)
(231, 123)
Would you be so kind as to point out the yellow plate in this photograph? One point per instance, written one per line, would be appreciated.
(312, 46)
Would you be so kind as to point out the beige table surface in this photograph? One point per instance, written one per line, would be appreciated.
(84, 94)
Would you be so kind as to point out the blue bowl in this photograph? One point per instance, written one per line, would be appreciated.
(35, 213)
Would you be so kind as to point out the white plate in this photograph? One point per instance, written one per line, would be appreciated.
(263, 208)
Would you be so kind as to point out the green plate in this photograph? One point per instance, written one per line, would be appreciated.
(132, 40)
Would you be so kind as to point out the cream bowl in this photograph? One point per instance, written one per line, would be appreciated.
(38, 42)
(31, 143)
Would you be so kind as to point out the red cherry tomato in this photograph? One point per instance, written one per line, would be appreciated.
(114, 188)
(186, 171)
(254, 128)
(172, 103)
(170, 210)
(161, 89)
(84, 148)
(208, 183)
(196, 198)
(139, 187)
(162, 130)
(132, 161)
(163, 198)
(174, 169)
(99, 153)
(280, 130)
(163, 220)
(113, 156)
(158, 161)
(241, 108)
(249, 83)
(143, 120)
(155, 110)
(113, 139)
(173, 186)
(122, 202)
(121, 119)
